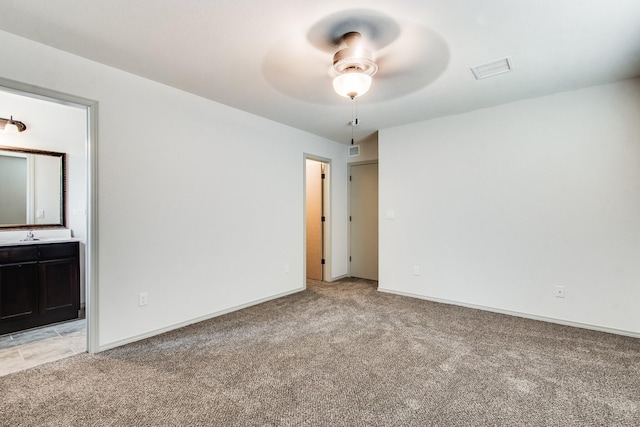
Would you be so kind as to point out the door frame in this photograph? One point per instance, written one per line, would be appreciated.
(365, 162)
(326, 203)
(91, 150)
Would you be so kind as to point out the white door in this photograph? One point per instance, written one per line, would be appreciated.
(364, 220)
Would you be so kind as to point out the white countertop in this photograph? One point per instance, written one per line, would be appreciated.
(38, 242)
(11, 238)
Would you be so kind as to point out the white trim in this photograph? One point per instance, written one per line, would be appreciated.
(91, 264)
(195, 320)
(517, 314)
(328, 194)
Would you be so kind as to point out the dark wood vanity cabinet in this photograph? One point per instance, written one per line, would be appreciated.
(39, 284)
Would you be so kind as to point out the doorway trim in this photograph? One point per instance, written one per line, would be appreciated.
(326, 268)
(91, 150)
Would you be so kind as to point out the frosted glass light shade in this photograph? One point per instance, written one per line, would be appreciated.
(11, 128)
(352, 84)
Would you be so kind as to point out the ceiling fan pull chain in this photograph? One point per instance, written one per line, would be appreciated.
(352, 132)
(355, 123)
(352, 120)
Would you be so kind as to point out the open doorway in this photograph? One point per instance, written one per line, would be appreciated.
(76, 121)
(316, 218)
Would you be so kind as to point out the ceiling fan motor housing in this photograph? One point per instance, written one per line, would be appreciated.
(353, 58)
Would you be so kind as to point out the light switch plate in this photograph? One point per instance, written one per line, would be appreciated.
(143, 299)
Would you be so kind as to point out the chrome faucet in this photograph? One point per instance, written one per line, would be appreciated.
(30, 237)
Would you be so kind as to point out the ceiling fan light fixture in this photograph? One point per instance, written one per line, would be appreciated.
(353, 66)
(352, 84)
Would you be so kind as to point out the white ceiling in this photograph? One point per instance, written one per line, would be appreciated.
(269, 57)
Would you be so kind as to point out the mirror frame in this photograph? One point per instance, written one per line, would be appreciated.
(63, 189)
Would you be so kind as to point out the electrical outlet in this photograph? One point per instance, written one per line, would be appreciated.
(416, 270)
(559, 291)
(143, 299)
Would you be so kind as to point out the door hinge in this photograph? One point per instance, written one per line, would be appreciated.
(322, 219)
(323, 176)
(322, 261)
(349, 218)
(349, 177)
(349, 258)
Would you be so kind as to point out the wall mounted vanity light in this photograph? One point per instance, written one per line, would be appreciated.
(11, 126)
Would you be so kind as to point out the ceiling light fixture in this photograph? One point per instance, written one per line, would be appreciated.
(12, 126)
(353, 67)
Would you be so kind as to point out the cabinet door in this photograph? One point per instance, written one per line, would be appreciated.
(18, 293)
(59, 289)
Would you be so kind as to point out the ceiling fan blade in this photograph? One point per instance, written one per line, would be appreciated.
(377, 29)
(297, 70)
(411, 63)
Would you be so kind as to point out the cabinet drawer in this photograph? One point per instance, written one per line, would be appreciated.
(58, 250)
(15, 254)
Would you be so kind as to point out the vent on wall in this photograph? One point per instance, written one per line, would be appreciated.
(354, 150)
(488, 69)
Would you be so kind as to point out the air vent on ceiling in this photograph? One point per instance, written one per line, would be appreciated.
(499, 66)
(354, 150)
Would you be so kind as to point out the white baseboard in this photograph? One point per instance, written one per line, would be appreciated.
(517, 314)
(155, 332)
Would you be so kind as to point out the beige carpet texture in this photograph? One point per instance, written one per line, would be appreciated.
(341, 354)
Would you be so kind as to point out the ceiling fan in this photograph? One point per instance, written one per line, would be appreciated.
(394, 56)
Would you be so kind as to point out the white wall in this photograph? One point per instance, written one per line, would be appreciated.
(199, 204)
(498, 206)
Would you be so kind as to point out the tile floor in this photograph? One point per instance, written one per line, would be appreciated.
(27, 349)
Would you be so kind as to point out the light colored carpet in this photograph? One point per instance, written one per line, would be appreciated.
(342, 354)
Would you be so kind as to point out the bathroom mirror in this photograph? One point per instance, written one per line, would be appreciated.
(32, 188)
